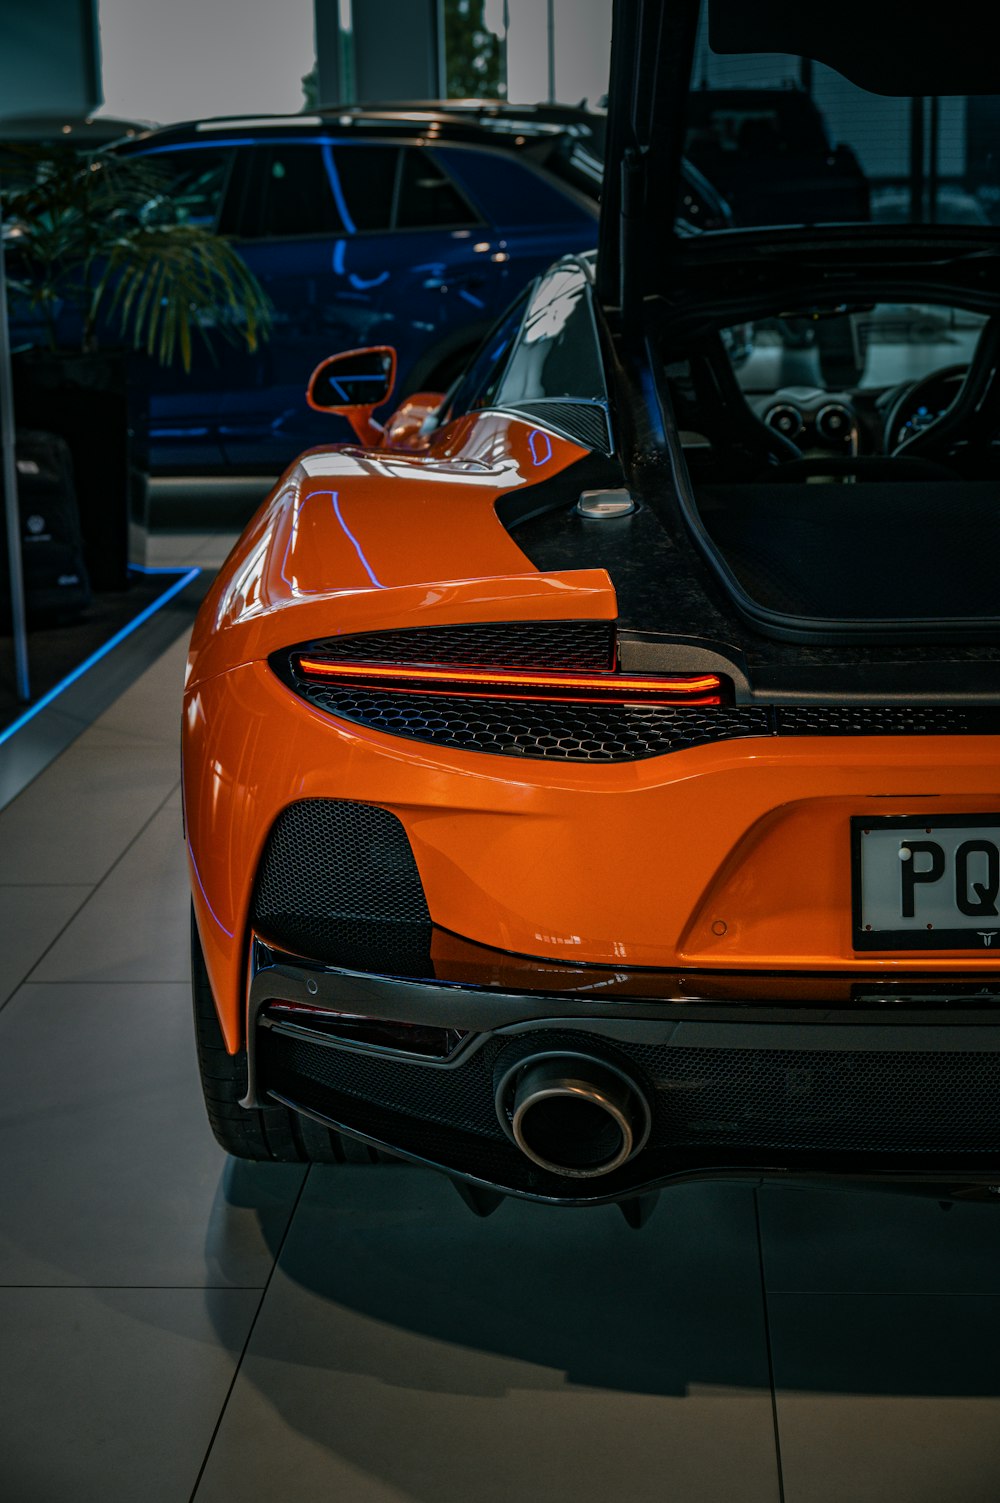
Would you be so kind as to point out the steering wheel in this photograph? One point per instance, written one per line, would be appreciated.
(968, 418)
(918, 405)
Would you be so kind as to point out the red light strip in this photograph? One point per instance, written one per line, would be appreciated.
(702, 689)
(277, 1005)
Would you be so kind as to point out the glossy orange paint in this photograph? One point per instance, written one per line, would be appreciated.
(404, 428)
(635, 864)
(347, 532)
(733, 855)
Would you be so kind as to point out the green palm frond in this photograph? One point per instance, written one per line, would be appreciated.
(162, 285)
(104, 237)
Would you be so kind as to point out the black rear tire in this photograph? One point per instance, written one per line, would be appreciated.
(271, 1134)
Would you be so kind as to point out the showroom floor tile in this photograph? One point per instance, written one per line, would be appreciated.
(858, 1242)
(149, 710)
(49, 734)
(110, 1175)
(888, 1399)
(83, 812)
(132, 928)
(179, 1326)
(884, 1318)
(31, 918)
(173, 549)
(407, 1350)
(111, 1395)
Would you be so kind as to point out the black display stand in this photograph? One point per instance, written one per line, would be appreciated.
(85, 399)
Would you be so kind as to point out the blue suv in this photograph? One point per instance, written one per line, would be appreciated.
(413, 228)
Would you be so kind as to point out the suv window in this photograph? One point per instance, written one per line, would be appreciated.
(293, 194)
(557, 353)
(511, 192)
(193, 184)
(314, 188)
(426, 198)
(368, 183)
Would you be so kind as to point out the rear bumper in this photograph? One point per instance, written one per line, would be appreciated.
(809, 1077)
(729, 856)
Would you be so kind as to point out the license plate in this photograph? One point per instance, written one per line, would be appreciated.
(927, 886)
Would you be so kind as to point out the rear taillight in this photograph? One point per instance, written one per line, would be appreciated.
(609, 687)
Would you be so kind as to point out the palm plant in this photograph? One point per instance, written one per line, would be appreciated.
(101, 241)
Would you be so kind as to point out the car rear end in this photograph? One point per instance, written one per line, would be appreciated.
(576, 949)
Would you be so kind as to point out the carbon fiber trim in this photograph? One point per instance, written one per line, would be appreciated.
(586, 423)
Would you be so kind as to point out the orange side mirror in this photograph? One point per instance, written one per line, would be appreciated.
(352, 384)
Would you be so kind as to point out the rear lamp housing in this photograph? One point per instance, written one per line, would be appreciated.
(469, 682)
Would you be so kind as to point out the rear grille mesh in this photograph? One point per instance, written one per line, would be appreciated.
(566, 732)
(571, 646)
(887, 720)
(338, 883)
(883, 1101)
(620, 733)
(574, 732)
(791, 1102)
(454, 1096)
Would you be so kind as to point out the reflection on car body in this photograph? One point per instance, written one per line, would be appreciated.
(583, 846)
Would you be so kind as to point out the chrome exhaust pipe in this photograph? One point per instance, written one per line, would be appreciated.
(573, 1114)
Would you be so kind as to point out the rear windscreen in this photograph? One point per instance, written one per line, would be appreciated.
(789, 139)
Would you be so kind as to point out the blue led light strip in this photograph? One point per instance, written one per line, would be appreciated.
(102, 652)
(156, 569)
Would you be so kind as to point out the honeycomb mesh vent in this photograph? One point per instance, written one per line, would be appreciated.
(338, 883)
(887, 720)
(794, 1102)
(804, 1100)
(576, 732)
(572, 646)
(620, 733)
(565, 732)
(454, 1097)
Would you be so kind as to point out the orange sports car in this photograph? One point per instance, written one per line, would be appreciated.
(591, 775)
